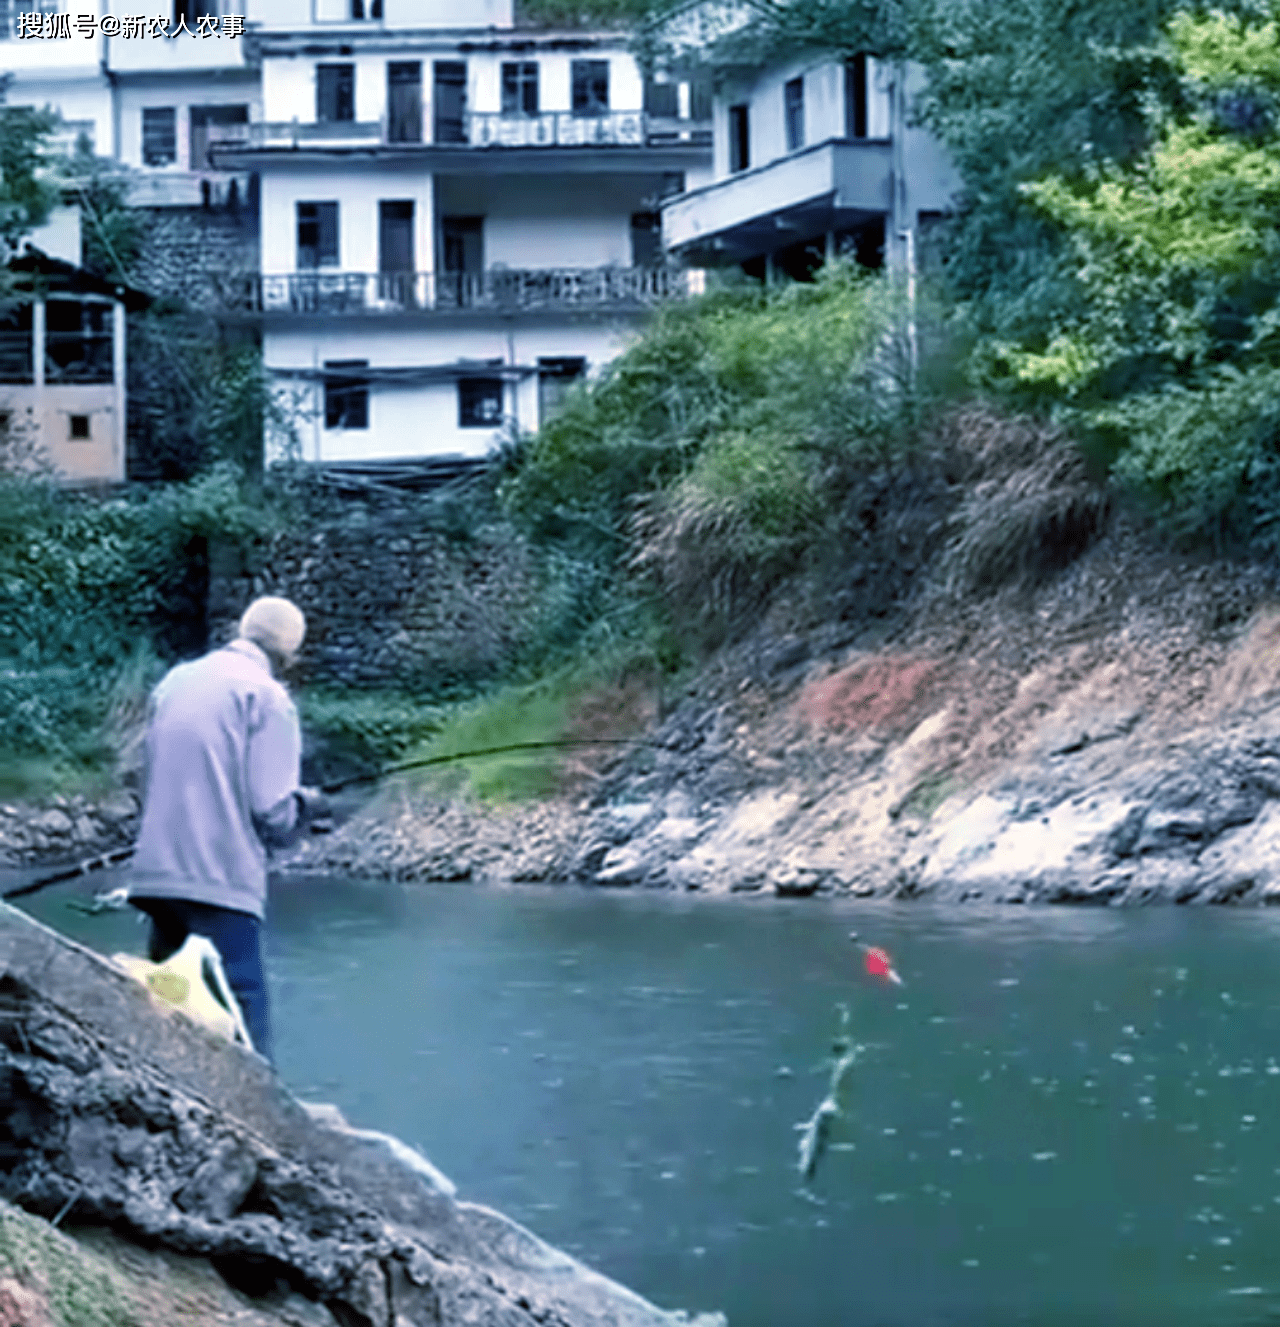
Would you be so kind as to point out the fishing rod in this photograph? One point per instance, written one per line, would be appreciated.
(117, 855)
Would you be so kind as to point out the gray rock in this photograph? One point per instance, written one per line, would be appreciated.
(167, 1129)
(55, 823)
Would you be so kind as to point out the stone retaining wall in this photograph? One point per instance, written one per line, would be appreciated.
(389, 599)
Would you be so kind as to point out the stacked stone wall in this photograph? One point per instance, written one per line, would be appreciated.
(390, 601)
(205, 257)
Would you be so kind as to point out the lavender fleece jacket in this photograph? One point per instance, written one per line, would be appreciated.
(223, 750)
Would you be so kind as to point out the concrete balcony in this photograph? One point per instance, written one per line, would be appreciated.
(170, 188)
(818, 188)
(503, 293)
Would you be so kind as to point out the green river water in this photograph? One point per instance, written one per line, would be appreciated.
(1064, 1117)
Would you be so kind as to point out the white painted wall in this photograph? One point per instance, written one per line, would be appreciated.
(185, 51)
(59, 237)
(36, 55)
(933, 182)
(81, 97)
(558, 221)
(357, 193)
(823, 108)
(181, 93)
(396, 13)
(289, 82)
(422, 420)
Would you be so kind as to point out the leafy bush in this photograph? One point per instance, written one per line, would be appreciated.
(91, 601)
(711, 454)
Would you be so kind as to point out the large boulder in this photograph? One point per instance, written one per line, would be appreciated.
(120, 1112)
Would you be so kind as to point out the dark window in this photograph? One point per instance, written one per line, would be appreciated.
(366, 8)
(463, 244)
(479, 402)
(395, 236)
(77, 341)
(590, 87)
(855, 97)
(78, 426)
(202, 117)
(555, 376)
(15, 346)
(335, 92)
(317, 235)
(661, 99)
(159, 136)
(739, 138)
(404, 101)
(346, 394)
(4, 425)
(701, 93)
(192, 10)
(646, 239)
(450, 101)
(793, 101)
(520, 87)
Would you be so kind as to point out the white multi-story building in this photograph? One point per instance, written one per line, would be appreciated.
(811, 159)
(459, 217)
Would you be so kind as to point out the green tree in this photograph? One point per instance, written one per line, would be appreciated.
(1171, 355)
(27, 189)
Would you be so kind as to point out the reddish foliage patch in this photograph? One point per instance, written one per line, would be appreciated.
(885, 693)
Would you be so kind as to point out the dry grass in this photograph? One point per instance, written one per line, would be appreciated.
(1029, 507)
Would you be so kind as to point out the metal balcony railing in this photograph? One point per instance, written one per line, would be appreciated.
(480, 130)
(502, 291)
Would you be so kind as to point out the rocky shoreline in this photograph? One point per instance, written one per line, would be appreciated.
(1111, 736)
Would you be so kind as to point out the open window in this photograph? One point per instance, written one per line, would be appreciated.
(479, 403)
(335, 93)
(205, 122)
(78, 341)
(317, 235)
(346, 394)
(556, 375)
(855, 97)
(590, 87)
(450, 104)
(520, 87)
(739, 137)
(793, 107)
(404, 101)
(159, 135)
(16, 357)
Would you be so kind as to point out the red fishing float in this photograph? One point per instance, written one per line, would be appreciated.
(879, 964)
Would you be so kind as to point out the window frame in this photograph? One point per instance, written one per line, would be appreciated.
(793, 112)
(346, 394)
(521, 85)
(343, 90)
(470, 411)
(327, 254)
(739, 137)
(584, 99)
(170, 131)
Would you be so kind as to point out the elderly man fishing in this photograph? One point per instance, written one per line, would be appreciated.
(223, 752)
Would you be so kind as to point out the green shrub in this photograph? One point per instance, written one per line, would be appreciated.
(92, 599)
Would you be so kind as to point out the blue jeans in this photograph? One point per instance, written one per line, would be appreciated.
(237, 938)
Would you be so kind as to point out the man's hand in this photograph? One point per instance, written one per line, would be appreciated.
(314, 810)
